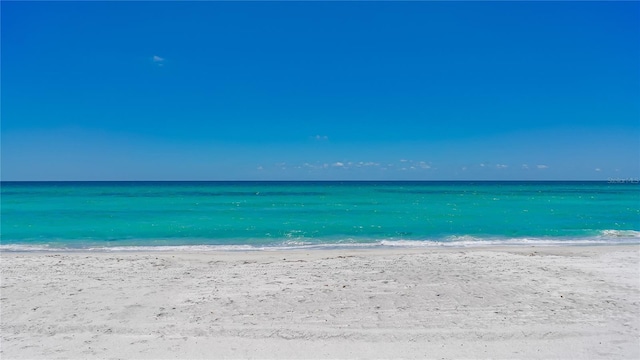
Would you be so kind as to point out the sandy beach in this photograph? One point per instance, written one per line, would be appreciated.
(509, 302)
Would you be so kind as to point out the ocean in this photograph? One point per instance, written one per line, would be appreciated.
(114, 216)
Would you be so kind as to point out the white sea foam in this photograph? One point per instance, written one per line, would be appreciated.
(132, 248)
(19, 247)
(621, 233)
(604, 237)
(507, 242)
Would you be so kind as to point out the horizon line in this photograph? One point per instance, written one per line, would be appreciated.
(611, 180)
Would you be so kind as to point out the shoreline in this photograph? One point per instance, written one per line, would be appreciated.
(462, 243)
(457, 302)
(329, 248)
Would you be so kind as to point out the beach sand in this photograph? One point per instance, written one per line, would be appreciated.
(574, 302)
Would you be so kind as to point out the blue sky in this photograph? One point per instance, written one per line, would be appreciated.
(320, 90)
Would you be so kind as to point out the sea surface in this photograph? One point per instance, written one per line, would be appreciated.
(113, 216)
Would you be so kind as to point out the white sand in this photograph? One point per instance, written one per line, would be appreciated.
(517, 302)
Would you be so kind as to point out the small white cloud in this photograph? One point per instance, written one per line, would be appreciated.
(598, 169)
(260, 168)
(159, 61)
(403, 160)
(321, 137)
(525, 166)
(424, 165)
(320, 166)
(502, 166)
(542, 166)
(482, 165)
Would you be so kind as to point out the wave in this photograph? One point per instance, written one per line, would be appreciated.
(180, 248)
(621, 233)
(603, 237)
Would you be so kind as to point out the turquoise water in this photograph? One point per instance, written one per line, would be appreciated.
(236, 215)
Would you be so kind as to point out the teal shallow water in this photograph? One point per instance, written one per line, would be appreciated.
(291, 214)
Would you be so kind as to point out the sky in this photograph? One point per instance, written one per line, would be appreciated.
(320, 90)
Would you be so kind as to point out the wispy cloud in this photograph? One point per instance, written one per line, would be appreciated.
(542, 166)
(406, 164)
(598, 169)
(367, 164)
(525, 166)
(315, 166)
(320, 137)
(346, 165)
(501, 166)
(158, 60)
